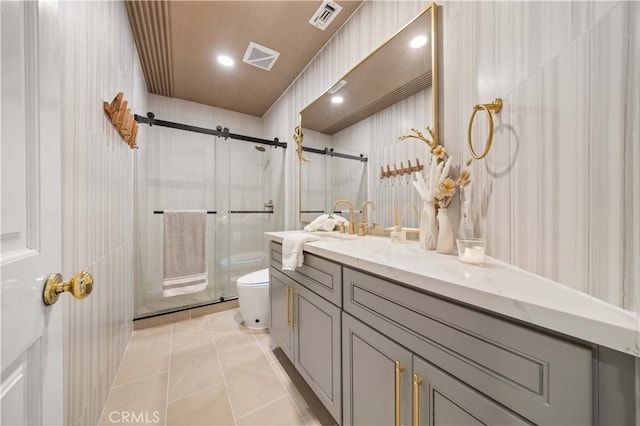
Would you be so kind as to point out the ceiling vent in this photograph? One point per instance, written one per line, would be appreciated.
(325, 14)
(339, 85)
(260, 56)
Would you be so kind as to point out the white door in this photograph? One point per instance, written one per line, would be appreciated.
(31, 339)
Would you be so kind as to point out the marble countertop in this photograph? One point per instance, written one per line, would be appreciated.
(494, 286)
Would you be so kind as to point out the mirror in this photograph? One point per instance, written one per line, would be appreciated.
(328, 177)
(366, 90)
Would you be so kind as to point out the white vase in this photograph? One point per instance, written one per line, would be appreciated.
(445, 233)
(428, 226)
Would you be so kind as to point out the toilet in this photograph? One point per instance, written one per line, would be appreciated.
(253, 297)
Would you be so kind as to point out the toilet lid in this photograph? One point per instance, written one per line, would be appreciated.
(257, 277)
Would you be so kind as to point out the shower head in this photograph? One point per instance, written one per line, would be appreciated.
(260, 148)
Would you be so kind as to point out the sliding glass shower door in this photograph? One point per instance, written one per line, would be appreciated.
(246, 210)
(236, 183)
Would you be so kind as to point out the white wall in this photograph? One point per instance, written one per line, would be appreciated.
(558, 195)
(98, 60)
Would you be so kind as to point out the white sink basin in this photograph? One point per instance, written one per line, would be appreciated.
(335, 236)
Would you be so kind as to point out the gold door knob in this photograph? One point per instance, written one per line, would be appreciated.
(79, 286)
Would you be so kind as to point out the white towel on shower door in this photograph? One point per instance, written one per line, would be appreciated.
(184, 252)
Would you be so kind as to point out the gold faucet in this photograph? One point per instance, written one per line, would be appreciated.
(363, 217)
(352, 225)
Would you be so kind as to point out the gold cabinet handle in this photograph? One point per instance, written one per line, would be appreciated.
(399, 369)
(417, 381)
(289, 307)
(80, 286)
(293, 311)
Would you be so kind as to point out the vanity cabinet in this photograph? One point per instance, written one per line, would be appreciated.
(306, 322)
(373, 367)
(376, 350)
(474, 366)
(384, 383)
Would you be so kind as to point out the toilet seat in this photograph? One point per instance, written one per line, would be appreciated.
(255, 279)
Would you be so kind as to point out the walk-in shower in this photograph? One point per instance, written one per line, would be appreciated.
(235, 181)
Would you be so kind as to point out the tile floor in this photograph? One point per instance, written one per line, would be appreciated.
(209, 370)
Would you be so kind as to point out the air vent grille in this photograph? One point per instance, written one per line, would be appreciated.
(325, 14)
(260, 56)
(339, 85)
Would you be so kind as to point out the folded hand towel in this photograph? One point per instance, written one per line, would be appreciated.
(316, 223)
(324, 222)
(185, 252)
(292, 249)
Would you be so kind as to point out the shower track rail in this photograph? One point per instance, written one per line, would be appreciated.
(331, 153)
(250, 211)
(230, 211)
(218, 131)
(162, 212)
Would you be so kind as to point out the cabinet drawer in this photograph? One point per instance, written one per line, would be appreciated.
(319, 275)
(542, 377)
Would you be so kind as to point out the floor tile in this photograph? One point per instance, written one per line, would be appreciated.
(251, 381)
(193, 329)
(207, 407)
(308, 404)
(194, 367)
(280, 412)
(229, 332)
(210, 370)
(141, 401)
(147, 354)
(269, 346)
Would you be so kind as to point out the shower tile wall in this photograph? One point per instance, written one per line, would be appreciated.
(180, 170)
(98, 59)
(558, 194)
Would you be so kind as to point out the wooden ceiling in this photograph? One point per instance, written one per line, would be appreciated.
(178, 42)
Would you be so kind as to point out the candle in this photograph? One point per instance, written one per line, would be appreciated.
(473, 254)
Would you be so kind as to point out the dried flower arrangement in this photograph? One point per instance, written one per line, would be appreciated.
(437, 184)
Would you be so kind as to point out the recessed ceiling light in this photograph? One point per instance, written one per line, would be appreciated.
(337, 99)
(225, 60)
(418, 41)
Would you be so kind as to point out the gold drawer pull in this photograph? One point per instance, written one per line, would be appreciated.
(417, 381)
(289, 307)
(399, 369)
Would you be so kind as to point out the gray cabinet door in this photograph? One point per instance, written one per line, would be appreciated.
(369, 376)
(280, 293)
(443, 400)
(318, 356)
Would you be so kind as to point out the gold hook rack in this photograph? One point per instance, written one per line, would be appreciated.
(490, 109)
(400, 171)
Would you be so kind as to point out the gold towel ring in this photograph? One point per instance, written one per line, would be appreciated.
(496, 107)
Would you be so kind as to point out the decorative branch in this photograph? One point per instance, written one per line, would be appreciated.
(433, 142)
(299, 138)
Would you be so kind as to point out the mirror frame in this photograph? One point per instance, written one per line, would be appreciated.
(435, 99)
